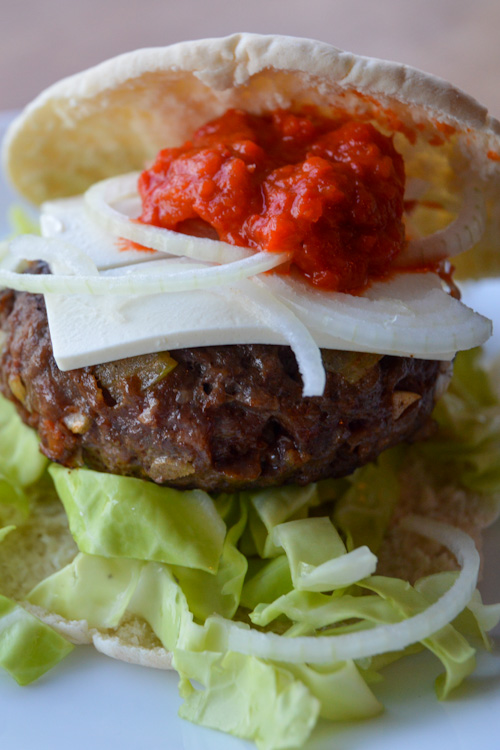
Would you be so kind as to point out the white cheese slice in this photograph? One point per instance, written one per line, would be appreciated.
(67, 220)
(88, 330)
(409, 315)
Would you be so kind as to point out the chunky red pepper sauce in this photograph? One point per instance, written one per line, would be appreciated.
(330, 191)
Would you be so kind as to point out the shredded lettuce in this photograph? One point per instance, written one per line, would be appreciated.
(318, 558)
(247, 697)
(91, 588)
(275, 705)
(312, 612)
(467, 447)
(342, 691)
(21, 462)
(475, 621)
(221, 593)
(119, 516)
(28, 647)
(22, 222)
(266, 581)
(271, 507)
(453, 650)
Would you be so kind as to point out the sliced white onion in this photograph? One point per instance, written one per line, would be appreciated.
(327, 649)
(31, 248)
(257, 299)
(460, 235)
(99, 199)
(410, 314)
(62, 257)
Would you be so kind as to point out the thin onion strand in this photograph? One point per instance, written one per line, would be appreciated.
(99, 199)
(461, 234)
(378, 640)
(254, 296)
(134, 283)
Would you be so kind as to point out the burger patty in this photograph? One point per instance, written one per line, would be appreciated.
(225, 418)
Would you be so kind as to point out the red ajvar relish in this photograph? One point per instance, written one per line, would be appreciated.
(330, 191)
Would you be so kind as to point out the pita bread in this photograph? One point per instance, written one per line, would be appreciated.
(132, 641)
(115, 117)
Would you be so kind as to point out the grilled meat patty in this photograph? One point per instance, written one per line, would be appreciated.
(223, 418)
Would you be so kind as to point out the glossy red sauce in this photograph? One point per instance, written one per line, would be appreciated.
(329, 191)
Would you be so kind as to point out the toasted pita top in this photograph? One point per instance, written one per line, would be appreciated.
(116, 116)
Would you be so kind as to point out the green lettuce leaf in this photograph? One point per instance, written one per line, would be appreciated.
(247, 697)
(341, 690)
(221, 593)
(101, 590)
(468, 443)
(476, 620)
(117, 516)
(266, 581)
(310, 541)
(313, 611)
(28, 647)
(268, 508)
(14, 502)
(455, 653)
(21, 463)
(92, 588)
(22, 222)
(317, 556)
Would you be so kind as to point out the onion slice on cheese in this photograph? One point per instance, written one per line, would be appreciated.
(99, 200)
(195, 276)
(63, 257)
(408, 315)
(264, 305)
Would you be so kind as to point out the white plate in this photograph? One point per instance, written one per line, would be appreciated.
(90, 702)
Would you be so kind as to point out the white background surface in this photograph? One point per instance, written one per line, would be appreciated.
(90, 702)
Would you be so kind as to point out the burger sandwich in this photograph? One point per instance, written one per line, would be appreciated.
(227, 338)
